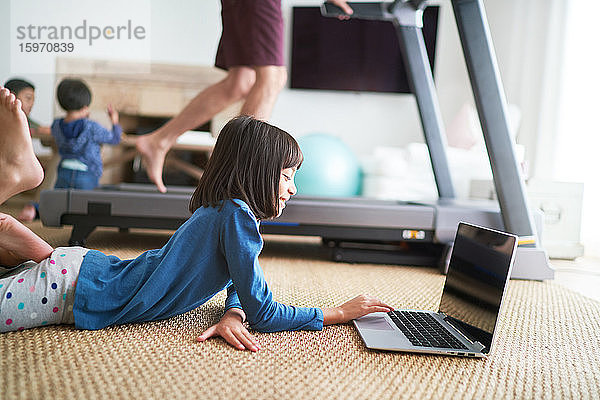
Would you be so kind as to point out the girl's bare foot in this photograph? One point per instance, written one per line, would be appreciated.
(20, 169)
(21, 243)
(153, 153)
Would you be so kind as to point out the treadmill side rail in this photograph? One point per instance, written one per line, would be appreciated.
(363, 214)
(53, 204)
(122, 203)
(87, 209)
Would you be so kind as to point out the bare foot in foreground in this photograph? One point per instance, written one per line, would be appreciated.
(27, 214)
(19, 244)
(153, 152)
(20, 169)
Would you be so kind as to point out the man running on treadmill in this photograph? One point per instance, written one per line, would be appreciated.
(251, 50)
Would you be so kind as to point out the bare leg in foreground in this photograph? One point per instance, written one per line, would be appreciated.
(19, 244)
(19, 170)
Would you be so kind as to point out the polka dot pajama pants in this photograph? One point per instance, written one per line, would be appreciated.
(37, 294)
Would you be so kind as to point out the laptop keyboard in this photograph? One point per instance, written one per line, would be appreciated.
(423, 330)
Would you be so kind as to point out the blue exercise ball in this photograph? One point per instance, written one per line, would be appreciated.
(330, 168)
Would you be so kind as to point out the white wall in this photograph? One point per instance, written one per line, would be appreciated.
(188, 33)
(578, 138)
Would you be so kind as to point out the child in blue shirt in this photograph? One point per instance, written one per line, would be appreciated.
(249, 178)
(79, 140)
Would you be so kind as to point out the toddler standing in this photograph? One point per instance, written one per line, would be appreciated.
(79, 141)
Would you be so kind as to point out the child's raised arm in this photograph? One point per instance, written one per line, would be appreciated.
(112, 114)
(355, 308)
(103, 135)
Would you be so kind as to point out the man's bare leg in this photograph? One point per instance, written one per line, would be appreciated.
(261, 99)
(20, 169)
(154, 146)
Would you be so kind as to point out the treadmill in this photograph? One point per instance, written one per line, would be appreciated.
(377, 231)
(359, 229)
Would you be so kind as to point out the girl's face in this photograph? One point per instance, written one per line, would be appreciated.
(287, 188)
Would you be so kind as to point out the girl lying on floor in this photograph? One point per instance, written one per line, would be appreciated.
(248, 178)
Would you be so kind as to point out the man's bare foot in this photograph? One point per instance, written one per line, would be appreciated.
(20, 169)
(27, 214)
(153, 151)
(18, 241)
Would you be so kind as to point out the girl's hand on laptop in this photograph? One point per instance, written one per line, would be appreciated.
(355, 308)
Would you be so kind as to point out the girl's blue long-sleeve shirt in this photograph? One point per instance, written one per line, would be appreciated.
(215, 249)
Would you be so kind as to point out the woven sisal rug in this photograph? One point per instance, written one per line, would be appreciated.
(547, 345)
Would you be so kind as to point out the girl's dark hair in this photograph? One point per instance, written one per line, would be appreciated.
(16, 85)
(73, 94)
(246, 164)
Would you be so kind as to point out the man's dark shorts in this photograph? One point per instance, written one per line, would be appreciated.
(252, 34)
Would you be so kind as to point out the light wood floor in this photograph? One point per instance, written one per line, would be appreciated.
(581, 275)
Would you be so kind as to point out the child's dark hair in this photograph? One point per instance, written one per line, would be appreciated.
(16, 85)
(246, 164)
(73, 94)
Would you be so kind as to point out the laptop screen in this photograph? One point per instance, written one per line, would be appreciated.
(477, 275)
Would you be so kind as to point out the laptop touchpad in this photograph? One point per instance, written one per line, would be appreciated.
(374, 322)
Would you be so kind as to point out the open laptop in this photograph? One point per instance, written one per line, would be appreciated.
(476, 281)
